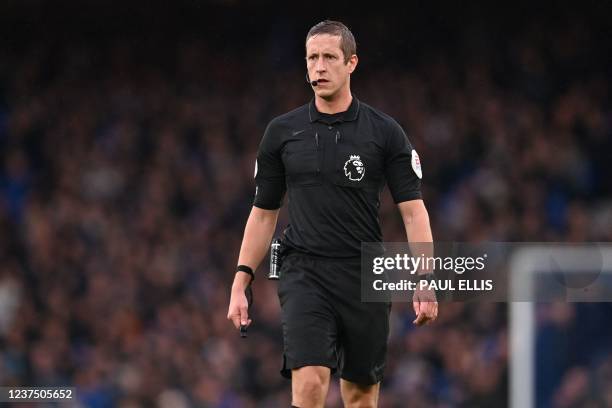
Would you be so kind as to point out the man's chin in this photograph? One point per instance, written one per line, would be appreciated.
(325, 94)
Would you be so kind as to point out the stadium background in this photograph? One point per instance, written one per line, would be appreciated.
(127, 142)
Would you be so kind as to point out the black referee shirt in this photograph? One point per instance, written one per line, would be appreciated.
(334, 168)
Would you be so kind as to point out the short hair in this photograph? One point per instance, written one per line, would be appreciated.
(336, 28)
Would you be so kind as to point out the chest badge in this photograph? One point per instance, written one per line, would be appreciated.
(354, 168)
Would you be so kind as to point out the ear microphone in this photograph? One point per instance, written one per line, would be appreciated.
(313, 83)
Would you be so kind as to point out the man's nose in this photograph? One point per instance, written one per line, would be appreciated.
(320, 66)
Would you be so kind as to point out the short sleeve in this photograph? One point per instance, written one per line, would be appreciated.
(402, 166)
(269, 171)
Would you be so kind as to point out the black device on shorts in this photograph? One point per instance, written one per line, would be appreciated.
(276, 248)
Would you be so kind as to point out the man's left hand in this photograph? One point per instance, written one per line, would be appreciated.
(425, 306)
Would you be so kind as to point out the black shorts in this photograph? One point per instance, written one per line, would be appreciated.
(325, 323)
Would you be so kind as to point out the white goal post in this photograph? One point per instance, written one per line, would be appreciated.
(525, 265)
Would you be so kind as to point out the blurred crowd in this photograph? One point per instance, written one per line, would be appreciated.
(126, 179)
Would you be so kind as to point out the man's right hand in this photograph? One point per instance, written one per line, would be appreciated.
(238, 311)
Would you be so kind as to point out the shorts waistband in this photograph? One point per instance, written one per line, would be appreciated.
(298, 254)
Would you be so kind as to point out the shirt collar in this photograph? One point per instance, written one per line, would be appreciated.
(349, 115)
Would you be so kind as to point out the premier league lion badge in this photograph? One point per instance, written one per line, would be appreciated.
(354, 168)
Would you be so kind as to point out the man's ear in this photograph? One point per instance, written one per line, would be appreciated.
(353, 63)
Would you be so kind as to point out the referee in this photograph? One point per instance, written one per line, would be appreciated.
(332, 157)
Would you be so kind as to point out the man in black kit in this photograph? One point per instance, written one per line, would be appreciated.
(332, 156)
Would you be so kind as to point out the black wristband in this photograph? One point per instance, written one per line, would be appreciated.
(247, 269)
(429, 276)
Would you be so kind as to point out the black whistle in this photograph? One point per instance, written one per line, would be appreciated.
(248, 292)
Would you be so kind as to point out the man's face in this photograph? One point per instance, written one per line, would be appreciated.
(325, 64)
